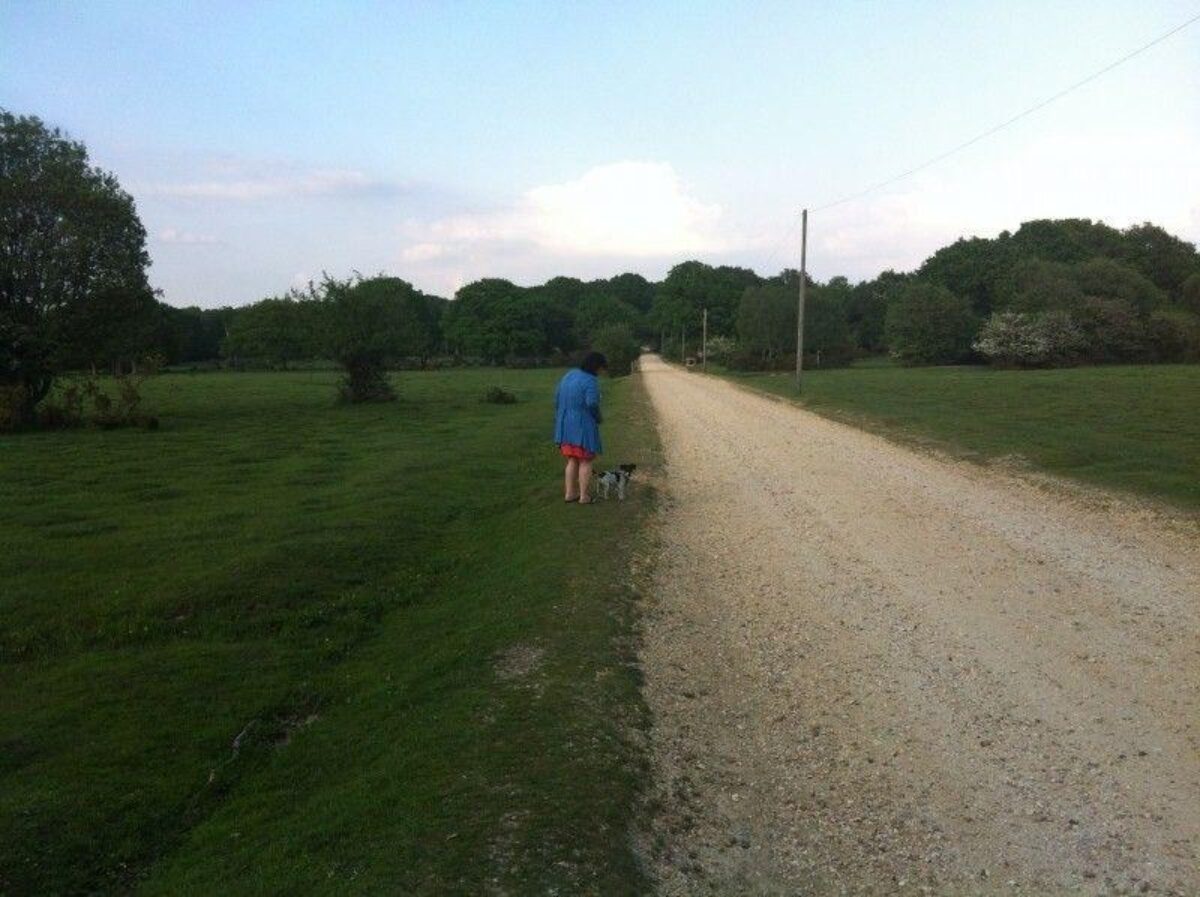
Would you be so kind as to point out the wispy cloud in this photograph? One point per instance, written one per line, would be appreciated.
(250, 188)
(185, 237)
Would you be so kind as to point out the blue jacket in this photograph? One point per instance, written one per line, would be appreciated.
(577, 410)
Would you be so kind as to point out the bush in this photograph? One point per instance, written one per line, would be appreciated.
(498, 395)
(756, 361)
(618, 345)
(1112, 330)
(1019, 339)
(1174, 335)
(927, 324)
(721, 349)
(366, 380)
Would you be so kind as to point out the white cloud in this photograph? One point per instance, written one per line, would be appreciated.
(629, 209)
(423, 252)
(184, 237)
(320, 182)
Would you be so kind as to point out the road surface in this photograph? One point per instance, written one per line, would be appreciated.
(876, 671)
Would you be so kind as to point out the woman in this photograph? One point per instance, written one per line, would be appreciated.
(577, 424)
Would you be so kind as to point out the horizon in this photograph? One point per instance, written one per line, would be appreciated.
(264, 146)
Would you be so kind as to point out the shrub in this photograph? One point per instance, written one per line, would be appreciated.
(617, 343)
(1112, 330)
(365, 380)
(1174, 335)
(498, 395)
(927, 324)
(721, 349)
(756, 361)
(1019, 339)
(12, 406)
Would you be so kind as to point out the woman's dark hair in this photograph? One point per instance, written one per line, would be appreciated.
(593, 363)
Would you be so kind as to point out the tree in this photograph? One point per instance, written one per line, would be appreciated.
(827, 339)
(868, 305)
(597, 312)
(617, 344)
(972, 269)
(278, 331)
(632, 289)
(368, 323)
(927, 324)
(1190, 294)
(1163, 258)
(766, 324)
(69, 238)
(496, 320)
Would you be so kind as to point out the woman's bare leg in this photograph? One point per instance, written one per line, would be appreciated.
(572, 478)
(585, 479)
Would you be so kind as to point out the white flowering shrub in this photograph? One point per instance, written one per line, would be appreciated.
(1022, 339)
(721, 348)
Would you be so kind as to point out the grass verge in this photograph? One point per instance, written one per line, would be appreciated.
(1132, 428)
(282, 646)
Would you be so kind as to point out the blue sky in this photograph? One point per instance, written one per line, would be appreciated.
(443, 142)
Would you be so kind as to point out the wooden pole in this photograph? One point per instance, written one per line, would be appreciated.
(683, 344)
(704, 350)
(800, 302)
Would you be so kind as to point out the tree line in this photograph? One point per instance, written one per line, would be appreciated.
(74, 296)
(1054, 292)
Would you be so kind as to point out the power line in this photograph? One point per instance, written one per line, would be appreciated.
(1016, 118)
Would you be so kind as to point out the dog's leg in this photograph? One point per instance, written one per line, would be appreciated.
(621, 489)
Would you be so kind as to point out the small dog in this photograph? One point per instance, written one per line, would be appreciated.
(618, 477)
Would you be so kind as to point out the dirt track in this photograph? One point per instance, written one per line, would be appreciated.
(874, 671)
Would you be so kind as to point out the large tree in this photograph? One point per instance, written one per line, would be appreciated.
(70, 238)
(367, 324)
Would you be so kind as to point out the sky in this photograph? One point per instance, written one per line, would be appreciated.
(441, 142)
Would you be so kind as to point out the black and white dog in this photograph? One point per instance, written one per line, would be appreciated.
(618, 477)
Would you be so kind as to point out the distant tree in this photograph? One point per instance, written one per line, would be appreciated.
(1190, 294)
(971, 269)
(766, 324)
(501, 322)
(927, 324)
(617, 343)
(367, 324)
(600, 311)
(69, 238)
(1035, 285)
(278, 330)
(827, 337)
(1164, 259)
(633, 290)
(1173, 334)
(1112, 329)
(868, 307)
(1110, 279)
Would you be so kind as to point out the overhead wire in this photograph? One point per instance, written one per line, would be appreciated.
(1013, 120)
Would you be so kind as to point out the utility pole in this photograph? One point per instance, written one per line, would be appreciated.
(704, 344)
(683, 344)
(800, 303)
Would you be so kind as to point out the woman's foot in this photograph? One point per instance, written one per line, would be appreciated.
(571, 498)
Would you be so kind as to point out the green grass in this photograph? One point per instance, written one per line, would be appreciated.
(1133, 428)
(335, 589)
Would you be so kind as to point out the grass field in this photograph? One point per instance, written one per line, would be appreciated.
(282, 646)
(1134, 428)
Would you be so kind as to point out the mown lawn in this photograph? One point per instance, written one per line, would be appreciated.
(281, 646)
(1134, 428)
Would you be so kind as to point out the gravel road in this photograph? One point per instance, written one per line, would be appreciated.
(877, 671)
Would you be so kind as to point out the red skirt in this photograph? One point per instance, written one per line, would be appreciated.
(576, 451)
